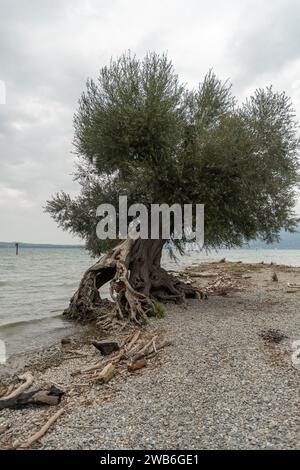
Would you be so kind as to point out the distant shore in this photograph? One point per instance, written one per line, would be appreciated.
(227, 380)
(37, 245)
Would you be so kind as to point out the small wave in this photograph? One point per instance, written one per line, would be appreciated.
(6, 326)
(3, 283)
(69, 284)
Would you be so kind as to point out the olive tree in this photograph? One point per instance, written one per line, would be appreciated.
(141, 133)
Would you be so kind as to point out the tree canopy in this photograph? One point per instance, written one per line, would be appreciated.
(142, 133)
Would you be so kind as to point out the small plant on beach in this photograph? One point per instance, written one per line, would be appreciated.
(159, 309)
(142, 133)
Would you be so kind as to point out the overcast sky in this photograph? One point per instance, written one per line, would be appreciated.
(49, 48)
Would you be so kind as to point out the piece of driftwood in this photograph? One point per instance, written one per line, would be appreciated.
(148, 345)
(223, 284)
(106, 347)
(28, 377)
(9, 390)
(202, 274)
(110, 369)
(128, 345)
(151, 353)
(113, 360)
(106, 374)
(36, 436)
(135, 350)
(37, 396)
(136, 335)
(6, 390)
(137, 365)
(93, 368)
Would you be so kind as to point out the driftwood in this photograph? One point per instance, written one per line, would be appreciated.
(292, 288)
(137, 365)
(133, 340)
(133, 351)
(115, 359)
(106, 374)
(35, 437)
(37, 396)
(28, 377)
(223, 284)
(163, 345)
(6, 390)
(109, 370)
(201, 274)
(150, 353)
(147, 346)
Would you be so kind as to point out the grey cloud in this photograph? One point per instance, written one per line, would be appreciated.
(267, 40)
(48, 49)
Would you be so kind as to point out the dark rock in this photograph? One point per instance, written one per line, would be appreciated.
(106, 347)
(65, 341)
(55, 391)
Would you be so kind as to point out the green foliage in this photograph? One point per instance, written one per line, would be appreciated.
(159, 309)
(139, 132)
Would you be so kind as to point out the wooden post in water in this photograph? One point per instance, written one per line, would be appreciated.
(17, 248)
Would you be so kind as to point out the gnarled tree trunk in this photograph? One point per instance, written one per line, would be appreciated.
(137, 281)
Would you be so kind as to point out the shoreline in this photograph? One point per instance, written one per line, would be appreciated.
(223, 383)
(31, 298)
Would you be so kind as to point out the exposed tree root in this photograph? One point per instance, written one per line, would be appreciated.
(137, 283)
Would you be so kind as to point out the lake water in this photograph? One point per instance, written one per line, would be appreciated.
(36, 286)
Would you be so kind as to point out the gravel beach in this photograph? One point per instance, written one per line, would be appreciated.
(226, 382)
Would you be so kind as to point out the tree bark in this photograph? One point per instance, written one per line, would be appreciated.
(137, 282)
